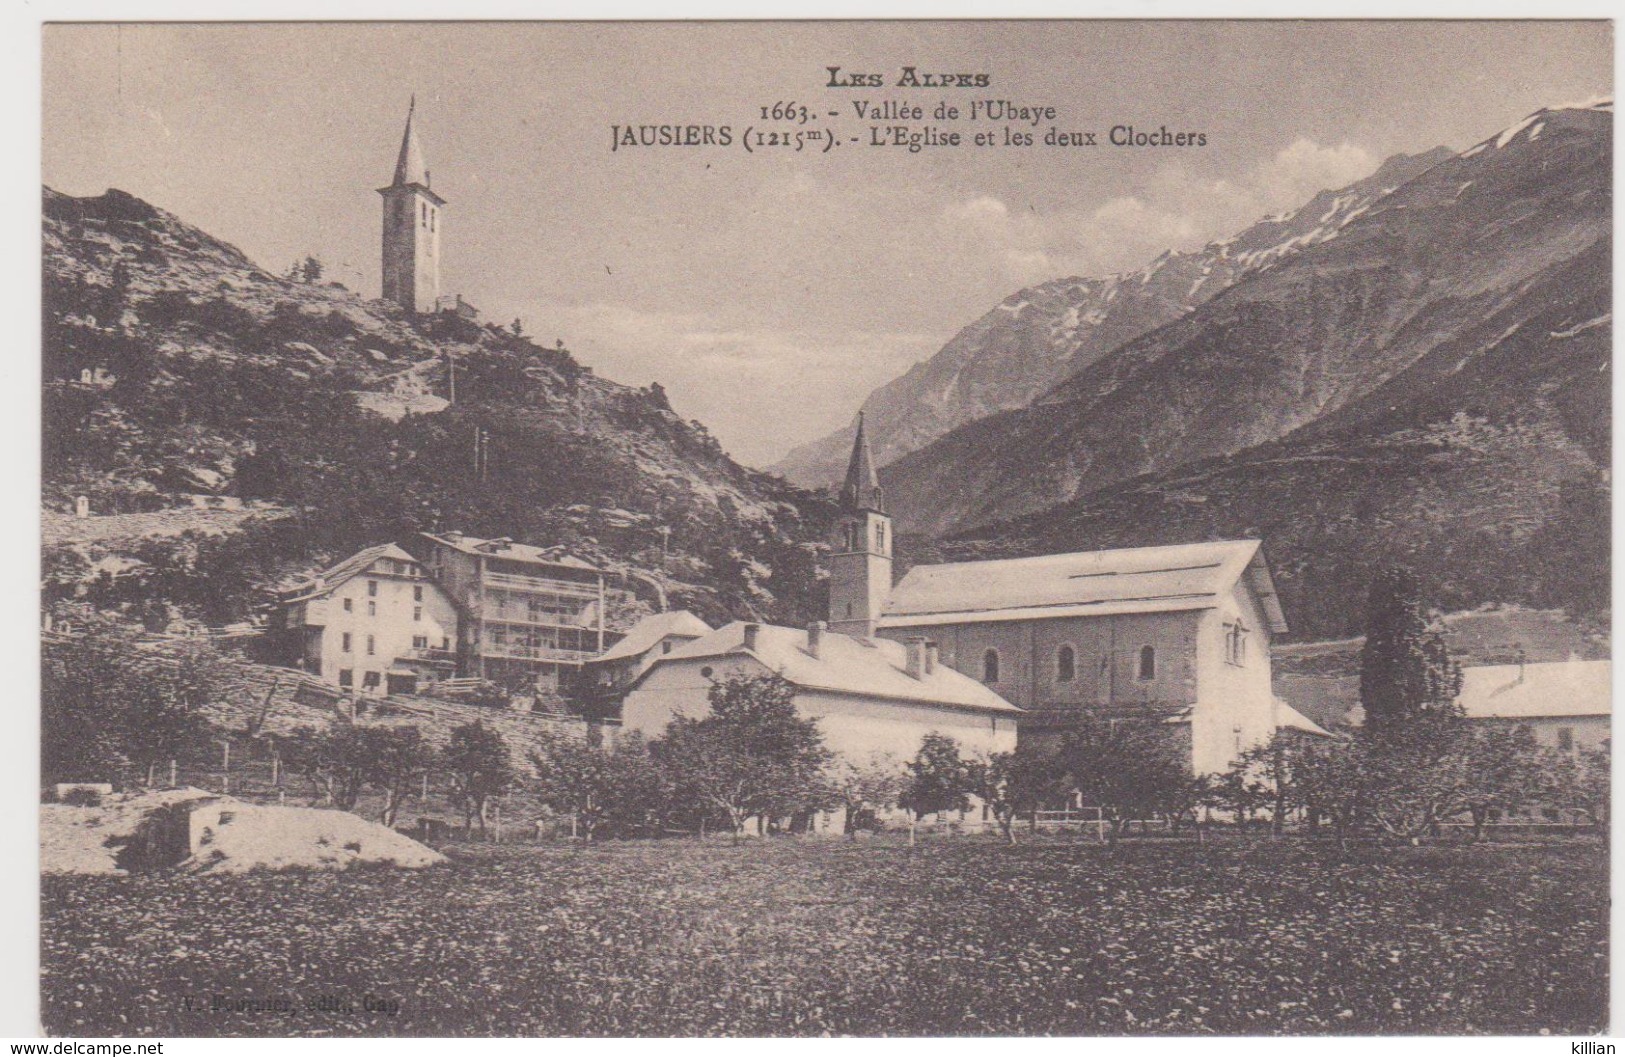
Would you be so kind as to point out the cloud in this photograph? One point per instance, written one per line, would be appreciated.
(760, 390)
(1176, 210)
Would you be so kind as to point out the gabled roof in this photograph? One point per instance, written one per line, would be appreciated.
(1089, 583)
(648, 632)
(1534, 691)
(1289, 718)
(335, 576)
(508, 551)
(845, 665)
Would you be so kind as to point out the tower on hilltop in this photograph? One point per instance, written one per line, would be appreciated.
(860, 561)
(411, 228)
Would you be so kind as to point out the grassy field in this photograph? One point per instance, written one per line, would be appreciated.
(795, 937)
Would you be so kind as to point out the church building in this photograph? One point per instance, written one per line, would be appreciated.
(1178, 634)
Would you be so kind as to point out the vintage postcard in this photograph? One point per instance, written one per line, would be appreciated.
(979, 528)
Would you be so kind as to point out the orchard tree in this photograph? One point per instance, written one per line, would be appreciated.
(107, 702)
(864, 788)
(596, 784)
(939, 779)
(332, 759)
(1127, 768)
(753, 755)
(480, 765)
(394, 760)
(1011, 783)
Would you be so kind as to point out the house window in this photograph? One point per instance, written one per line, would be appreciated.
(1148, 663)
(344, 642)
(372, 646)
(346, 678)
(1235, 643)
(445, 642)
(349, 605)
(1066, 665)
(372, 588)
(420, 642)
(1565, 739)
(417, 612)
(990, 666)
(417, 592)
(372, 608)
(369, 680)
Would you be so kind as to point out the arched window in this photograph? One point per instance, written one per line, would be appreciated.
(1148, 663)
(1066, 665)
(990, 666)
(880, 537)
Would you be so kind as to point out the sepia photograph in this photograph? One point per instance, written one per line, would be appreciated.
(695, 529)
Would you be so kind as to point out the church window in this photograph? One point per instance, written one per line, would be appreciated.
(990, 666)
(1148, 663)
(880, 537)
(432, 214)
(849, 610)
(1066, 665)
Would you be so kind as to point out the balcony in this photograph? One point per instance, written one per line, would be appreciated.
(431, 656)
(493, 613)
(520, 652)
(516, 582)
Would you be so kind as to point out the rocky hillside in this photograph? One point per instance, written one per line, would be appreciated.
(177, 368)
(1432, 388)
(1441, 292)
(1046, 333)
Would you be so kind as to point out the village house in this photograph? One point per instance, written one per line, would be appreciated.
(1180, 634)
(1567, 705)
(528, 619)
(869, 697)
(374, 623)
(651, 638)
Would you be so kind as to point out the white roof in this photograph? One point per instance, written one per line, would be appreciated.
(1533, 691)
(845, 665)
(648, 632)
(508, 550)
(1289, 718)
(1089, 583)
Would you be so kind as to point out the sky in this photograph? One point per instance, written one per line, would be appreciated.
(770, 291)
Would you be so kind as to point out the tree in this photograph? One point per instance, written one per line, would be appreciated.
(1011, 783)
(752, 756)
(517, 328)
(480, 766)
(311, 270)
(867, 787)
(938, 780)
(596, 784)
(394, 761)
(1406, 672)
(1126, 768)
(1333, 780)
(1583, 781)
(107, 702)
(333, 759)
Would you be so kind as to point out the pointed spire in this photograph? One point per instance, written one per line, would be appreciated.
(409, 167)
(862, 490)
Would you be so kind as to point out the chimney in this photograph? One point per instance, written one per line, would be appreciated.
(815, 638)
(931, 658)
(916, 657)
(751, 632)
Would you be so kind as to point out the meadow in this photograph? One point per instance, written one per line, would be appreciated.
(958, 936)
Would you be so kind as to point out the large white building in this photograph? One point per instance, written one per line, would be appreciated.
(1181, 633)
(868, 697)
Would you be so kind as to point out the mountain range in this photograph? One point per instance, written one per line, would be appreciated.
(1044, 334)
(1429, 385)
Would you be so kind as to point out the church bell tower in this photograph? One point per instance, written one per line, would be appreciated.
(411, 228)
(860, 560)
